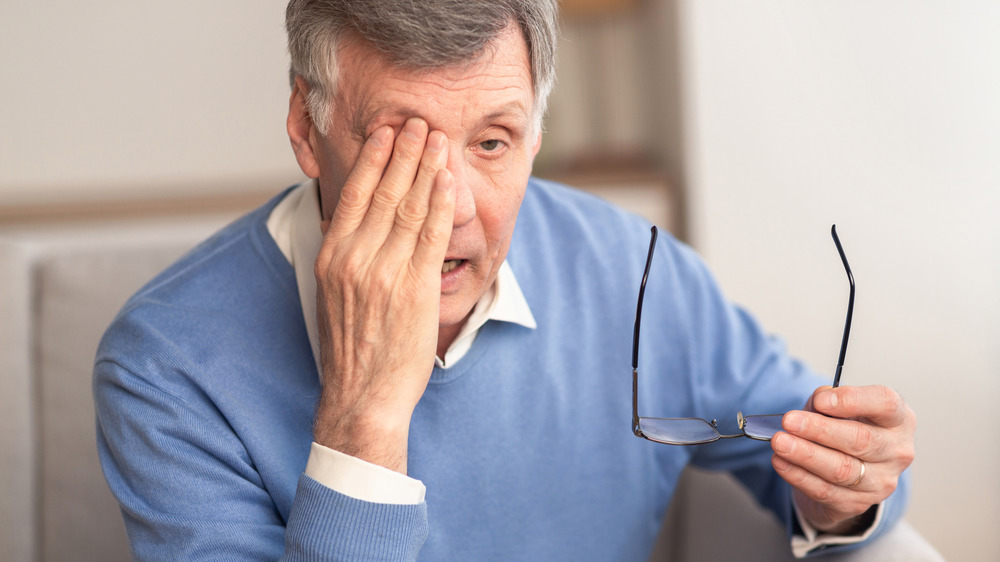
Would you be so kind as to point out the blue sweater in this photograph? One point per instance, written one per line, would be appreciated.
(206, 387)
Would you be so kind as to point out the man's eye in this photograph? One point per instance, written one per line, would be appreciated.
(491, 145)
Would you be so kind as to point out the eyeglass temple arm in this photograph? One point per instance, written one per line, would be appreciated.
(635, 335)
(850, 308)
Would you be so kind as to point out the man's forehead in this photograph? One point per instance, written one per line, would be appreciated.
(493, 85)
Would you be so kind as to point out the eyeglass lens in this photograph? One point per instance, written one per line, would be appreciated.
(681, 431)
(692, 431)
(762, 427)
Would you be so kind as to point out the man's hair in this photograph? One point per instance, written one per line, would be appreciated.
(416, 34)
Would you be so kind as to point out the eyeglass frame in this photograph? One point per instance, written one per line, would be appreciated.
(741, 419)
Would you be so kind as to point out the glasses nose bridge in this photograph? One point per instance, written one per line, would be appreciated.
(740, 420)
(715, 425)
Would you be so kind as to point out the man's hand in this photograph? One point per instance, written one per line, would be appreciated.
(378, 278)
(822, 450)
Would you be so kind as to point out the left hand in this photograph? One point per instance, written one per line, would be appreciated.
(822, 448)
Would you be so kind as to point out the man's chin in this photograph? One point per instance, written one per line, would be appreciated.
(455, 321)
(453, 313)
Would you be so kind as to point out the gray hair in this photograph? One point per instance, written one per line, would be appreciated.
(415, 34)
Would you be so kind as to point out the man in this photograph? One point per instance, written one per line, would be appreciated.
(378, 364)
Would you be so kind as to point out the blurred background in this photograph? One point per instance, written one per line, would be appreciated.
(746, 128)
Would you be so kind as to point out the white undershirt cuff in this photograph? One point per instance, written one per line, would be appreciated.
(814, 539)
(361, 479)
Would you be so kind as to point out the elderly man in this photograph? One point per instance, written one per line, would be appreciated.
(379, 364)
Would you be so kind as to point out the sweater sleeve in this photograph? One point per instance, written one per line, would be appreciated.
(188, 489)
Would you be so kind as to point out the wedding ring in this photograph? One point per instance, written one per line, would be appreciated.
(860, 476)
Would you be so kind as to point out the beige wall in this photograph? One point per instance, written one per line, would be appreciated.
(115, 98)
(881, 117)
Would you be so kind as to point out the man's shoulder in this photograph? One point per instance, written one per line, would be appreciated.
(554, 195)
(226, 261)
(562, 231)
(234, 276)
(567, 217)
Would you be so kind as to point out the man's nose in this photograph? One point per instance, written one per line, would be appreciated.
(465, 200)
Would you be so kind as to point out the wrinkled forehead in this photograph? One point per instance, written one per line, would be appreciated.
(496, 83)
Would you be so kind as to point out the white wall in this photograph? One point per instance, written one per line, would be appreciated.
(114, 98)
(882, 117)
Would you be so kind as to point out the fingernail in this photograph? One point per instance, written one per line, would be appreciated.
(381, 136)
(435, 141)
(411, 127)
(793, 422)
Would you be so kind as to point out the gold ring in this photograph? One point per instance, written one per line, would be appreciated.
(860, 476)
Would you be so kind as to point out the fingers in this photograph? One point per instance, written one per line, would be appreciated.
(852, 437)
(408, 163)
(385, 203)
(809, 403)
(830, 465)
(877, 404)
(837, 501)
(417, 207)
(356, 194)
(383, 175)
(847, 450)
(436, 231)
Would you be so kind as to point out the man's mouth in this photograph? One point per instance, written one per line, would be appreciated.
(450, 265)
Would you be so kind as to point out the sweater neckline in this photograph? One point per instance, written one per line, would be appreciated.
(483, 342)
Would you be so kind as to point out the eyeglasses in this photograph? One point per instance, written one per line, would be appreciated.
(695, 431)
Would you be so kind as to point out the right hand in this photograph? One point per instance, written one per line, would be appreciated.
(378, 276)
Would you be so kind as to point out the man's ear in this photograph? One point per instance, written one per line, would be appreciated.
(301, 129)
(538, 145)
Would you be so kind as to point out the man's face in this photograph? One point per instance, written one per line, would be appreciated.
(485, 110)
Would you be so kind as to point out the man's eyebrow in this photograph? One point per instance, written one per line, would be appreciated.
(514, 110)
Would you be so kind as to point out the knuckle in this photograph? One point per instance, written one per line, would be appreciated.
(428, 167)
(908, 454)
(349, 267)
(410, 214)
(845, 468)
(863, 439)
(823, 492)
(383, 281)
(323, 262)
(352, 195)
(406, 152)
(892, 399)
(321, 267)
(384, 198)
(432, 235)
(890, 483)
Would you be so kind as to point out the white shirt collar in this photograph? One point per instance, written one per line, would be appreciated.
(294, 225)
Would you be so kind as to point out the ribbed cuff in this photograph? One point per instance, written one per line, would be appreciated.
(327, 525)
